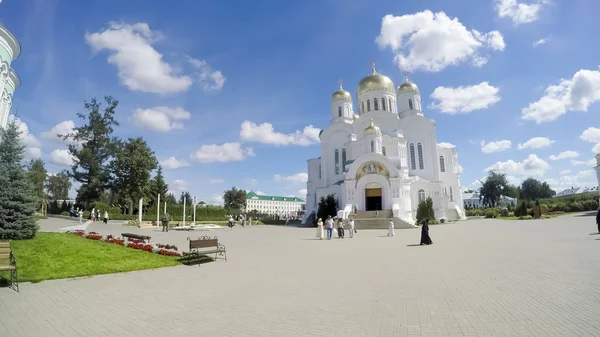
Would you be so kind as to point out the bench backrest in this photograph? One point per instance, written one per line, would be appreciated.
(135, 236)
(203, 243)
(4, 250)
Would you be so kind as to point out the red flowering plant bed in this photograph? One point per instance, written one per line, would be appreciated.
(162, 249)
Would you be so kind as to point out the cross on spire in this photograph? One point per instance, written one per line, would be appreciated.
(405, 73)
(340, 82)
(373, 64)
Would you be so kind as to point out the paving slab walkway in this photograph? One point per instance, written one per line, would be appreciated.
(479, 278)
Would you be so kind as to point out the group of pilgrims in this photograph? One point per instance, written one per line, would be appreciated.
(340, 224)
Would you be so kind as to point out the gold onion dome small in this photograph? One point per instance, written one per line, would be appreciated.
(407, 86)
(376, 81)
(372, 129)
(341, 95)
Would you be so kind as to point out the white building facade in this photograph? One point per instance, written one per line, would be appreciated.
(385, 157)
(284, 207)
(9, 80)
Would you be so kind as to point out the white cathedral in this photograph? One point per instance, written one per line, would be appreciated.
(385, 158)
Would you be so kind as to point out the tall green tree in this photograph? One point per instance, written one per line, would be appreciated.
(532, 189)
(58, 186)
(170, 199)
(188, 198)
(327, 206)
(158, 186)
(37, 174)
(93, 148)
(492, 188)
(17, 200)
(133, 165)
(234, 200)
(425, 210)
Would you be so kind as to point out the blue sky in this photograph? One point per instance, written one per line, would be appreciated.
(199, 79)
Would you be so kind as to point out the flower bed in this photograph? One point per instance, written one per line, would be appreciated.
(161, 249)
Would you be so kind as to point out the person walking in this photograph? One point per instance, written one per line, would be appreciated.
(165, 222)
(329, 225)
(598, 220)
(231, 222)
(105, 217)
(80, 213)
(320, 233)
(391, 230)
(425, 238)
(351, 228)
(340, 225)
(93, 214)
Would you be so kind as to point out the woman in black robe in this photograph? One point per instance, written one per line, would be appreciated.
(425, 239)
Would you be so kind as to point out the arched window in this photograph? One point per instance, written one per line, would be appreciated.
(410, 105)
(339, 111)
(390, 104)
(451, 195)
(383, 150)
(372, 146)
(368, 105)
(383, 104)
(442, 164)
(362, 107)
(343, 160)
(337, 161)
(413, 164)
(420, 150)
(421, 195)
(375, 104)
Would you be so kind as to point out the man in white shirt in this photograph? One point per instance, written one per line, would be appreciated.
(351, 228)
(329, 225)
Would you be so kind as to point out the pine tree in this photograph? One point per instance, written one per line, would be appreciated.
(17, 200)
(158, 186)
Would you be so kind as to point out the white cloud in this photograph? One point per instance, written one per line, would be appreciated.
(33, 147)
(299, 178)
(497, 146)
(591, 162)
(531, 166)
(564, 155)
(209, 79)
(445, 145)
(564, 172)
(432, 41)
(141, 67)
(302, 193)
(161, 118)
(63, 129)
(61, 158)
(536, 143)
(173, 163)
(585, 178)
(217, 199)
(265, 134)
(222, 153)
(541, 41)
(177, 186)
(462, 100)
(575, 94)
(260, 193)
(216, 181)
(519, 12)
(592, 135)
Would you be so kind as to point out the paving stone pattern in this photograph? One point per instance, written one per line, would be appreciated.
(479, 278)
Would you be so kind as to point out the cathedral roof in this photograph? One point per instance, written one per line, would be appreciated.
(376, 81)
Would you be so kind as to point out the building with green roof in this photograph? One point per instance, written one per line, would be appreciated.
(275, 205)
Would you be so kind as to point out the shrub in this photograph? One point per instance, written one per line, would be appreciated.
(491, 213)
(526, 217)
(521, 209)
(544, 209)
(576, 207)
(504, 212)
(134, 222)
(442, 220)
(590, 205)
(65, 213)
(425, 210)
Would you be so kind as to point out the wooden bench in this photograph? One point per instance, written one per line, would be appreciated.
(9, 263)
(207, 245)
(144, 238)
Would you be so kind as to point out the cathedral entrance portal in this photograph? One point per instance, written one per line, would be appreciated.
(373, 199)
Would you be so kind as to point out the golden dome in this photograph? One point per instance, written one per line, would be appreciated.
(372, 129)
(341, 95)
(407, 86)
(376, 81)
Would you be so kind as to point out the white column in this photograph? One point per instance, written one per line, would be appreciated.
(165, 210)
(183, 210)
(194, 211)
(140, 210)
(158, 211)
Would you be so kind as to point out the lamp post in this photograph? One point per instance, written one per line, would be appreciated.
(194, 222)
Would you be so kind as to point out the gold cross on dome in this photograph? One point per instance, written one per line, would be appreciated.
(340, 82)
(373, 64)
(405, 73)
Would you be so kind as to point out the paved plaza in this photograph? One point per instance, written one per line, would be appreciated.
(479, 278)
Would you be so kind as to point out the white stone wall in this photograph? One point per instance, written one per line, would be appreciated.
(282, 208)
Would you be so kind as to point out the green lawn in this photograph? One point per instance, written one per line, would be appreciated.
(63, 255)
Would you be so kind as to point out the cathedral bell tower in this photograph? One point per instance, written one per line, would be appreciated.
(409, 98)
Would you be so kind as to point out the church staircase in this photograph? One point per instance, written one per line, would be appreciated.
(377, 220)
